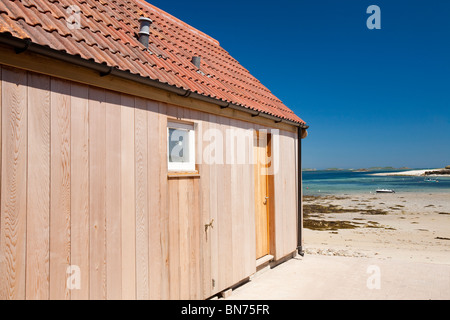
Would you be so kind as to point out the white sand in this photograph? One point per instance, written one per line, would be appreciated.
(415, 228)
(408, 173)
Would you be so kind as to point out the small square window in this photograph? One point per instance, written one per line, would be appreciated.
(181, 147)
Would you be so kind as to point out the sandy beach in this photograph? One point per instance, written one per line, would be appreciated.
(405, 236)
(403, 226)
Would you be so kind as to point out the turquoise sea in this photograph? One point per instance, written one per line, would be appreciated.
(348, 182)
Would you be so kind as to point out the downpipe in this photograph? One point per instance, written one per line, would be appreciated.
(302, 134)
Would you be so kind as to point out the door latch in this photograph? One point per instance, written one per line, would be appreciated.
(209, 225)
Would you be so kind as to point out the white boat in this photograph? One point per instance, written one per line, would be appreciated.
(385, 191)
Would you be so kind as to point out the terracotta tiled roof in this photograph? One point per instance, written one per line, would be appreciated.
(107, 34)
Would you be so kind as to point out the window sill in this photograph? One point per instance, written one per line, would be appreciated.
(178, 175)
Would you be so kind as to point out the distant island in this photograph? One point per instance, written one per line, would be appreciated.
(360, 169)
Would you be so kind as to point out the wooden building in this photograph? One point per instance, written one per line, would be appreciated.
(97, 200)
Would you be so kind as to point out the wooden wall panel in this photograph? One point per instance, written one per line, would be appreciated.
(286, 163)
(112, 198)
(174, 242)
(38, 188)
(285, 202)
(273, 172)
(196, 245)
(14, 184)
(185, 244)
(154, 199)
(164, 197)
(225, 221)
(248, 208)
(291, 214)
(60, 189)
(278, 204)
(84, 183)
(196, 210)
(79, 188)
(157, 197)
(280, 210)
(97, 194)
(291, 183)
(184, 193)
(213, 233)
(128, 204)
(236, 202)
(142, 221)
(206, 219)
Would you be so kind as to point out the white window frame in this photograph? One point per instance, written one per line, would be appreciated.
(182, 167)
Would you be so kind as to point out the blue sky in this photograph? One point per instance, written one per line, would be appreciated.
(371, 97)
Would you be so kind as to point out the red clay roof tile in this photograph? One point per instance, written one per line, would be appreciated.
(107, 35)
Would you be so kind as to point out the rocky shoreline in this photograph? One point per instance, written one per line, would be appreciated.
(334, 252)
(437, 172)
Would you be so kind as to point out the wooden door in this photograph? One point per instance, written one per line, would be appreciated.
(261, 151)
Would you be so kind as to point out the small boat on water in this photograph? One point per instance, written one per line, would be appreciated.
(385, 191)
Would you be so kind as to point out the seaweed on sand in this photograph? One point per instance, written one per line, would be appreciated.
(313, 212)
(324, 225)
(317, 208)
